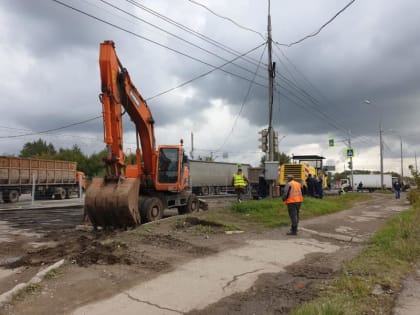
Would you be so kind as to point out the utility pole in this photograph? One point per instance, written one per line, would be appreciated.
(402, 169)
(351, 163)
(271, 167)
(192, 146)
(271, 74)
(415, 160)
(381, 151)
(381, 147)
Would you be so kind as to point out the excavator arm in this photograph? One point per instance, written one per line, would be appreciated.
(113, 200)
(119, 92)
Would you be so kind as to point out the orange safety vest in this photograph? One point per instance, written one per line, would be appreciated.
(239, 180)
(295, 193)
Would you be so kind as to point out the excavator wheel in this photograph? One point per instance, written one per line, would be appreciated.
(113, 203)
(192, 205)
(151, 209)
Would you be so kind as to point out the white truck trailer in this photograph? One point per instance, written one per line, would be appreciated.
(370, 182)
(213, 178)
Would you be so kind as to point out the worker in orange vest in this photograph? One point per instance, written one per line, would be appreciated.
(293, 197)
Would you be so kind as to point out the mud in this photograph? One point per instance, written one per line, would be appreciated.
(100, 265)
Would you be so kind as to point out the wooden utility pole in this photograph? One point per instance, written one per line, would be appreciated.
(192, 146)
(271, 74)
(271, 167)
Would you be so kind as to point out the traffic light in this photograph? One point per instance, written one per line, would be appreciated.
(350, 165)
(276, 141)
(350, 152)
(263, 140)
(331, 142)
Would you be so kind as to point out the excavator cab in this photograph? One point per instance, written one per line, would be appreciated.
(172, 173)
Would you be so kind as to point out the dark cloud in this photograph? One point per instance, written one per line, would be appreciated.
(369, 52)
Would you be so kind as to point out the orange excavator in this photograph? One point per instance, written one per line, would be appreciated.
(131, 194)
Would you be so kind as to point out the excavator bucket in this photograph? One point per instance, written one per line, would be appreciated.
(113, 204)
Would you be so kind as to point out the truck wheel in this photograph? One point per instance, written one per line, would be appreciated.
(211, 190)
(13, 196)
(191, 206)
(151, 210)
(204, 190)
(60, 194)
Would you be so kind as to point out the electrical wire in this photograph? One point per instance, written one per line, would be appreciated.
(312, 98)
(242, 106)
(227, 18)
(54, 129)
(201, 75)
(179, 37)
(194, 32)
(313, 34)
(154, 42)
(320, 29)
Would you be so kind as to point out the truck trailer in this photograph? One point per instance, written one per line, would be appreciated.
(213, 178)
(370, 182)
(48, 179)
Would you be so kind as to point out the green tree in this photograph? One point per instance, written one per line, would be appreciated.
(281, 157)
(415, 174)
(74, 154)
(95, 164)
(38, 149)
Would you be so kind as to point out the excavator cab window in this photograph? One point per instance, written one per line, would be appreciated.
(168, 165)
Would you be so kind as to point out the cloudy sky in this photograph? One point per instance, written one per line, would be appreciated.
(50, 75)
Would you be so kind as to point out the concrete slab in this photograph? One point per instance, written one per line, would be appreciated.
(205, 281)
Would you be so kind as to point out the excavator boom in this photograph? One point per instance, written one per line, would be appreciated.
(113, 200)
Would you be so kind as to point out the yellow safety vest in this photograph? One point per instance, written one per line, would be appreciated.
(239, 180)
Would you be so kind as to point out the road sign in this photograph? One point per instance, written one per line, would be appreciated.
(331, 142)
(350, 152)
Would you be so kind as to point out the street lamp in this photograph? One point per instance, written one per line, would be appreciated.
(380, 144)
(401, 154)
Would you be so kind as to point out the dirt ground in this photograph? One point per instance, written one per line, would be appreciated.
(100, 264)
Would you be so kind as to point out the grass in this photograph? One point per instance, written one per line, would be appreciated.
(273, 212)
(27, 290)
(368, 284)
(54, 273)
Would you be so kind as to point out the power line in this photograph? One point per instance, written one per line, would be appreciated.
(242, 105)
(54, 129)
(36, 132)
(312, 98)
(201, 75)
(150, 98)
(227, 18)
(154, 42)
(175, 36)
(193, 32)
(320, 29)
(261, 35)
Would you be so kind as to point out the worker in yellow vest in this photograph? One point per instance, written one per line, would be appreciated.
(293, 197)
(239, 182)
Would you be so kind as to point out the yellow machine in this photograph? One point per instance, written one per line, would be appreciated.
(300, 168)
(300, 172)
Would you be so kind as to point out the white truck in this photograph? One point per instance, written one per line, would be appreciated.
(370, 182)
